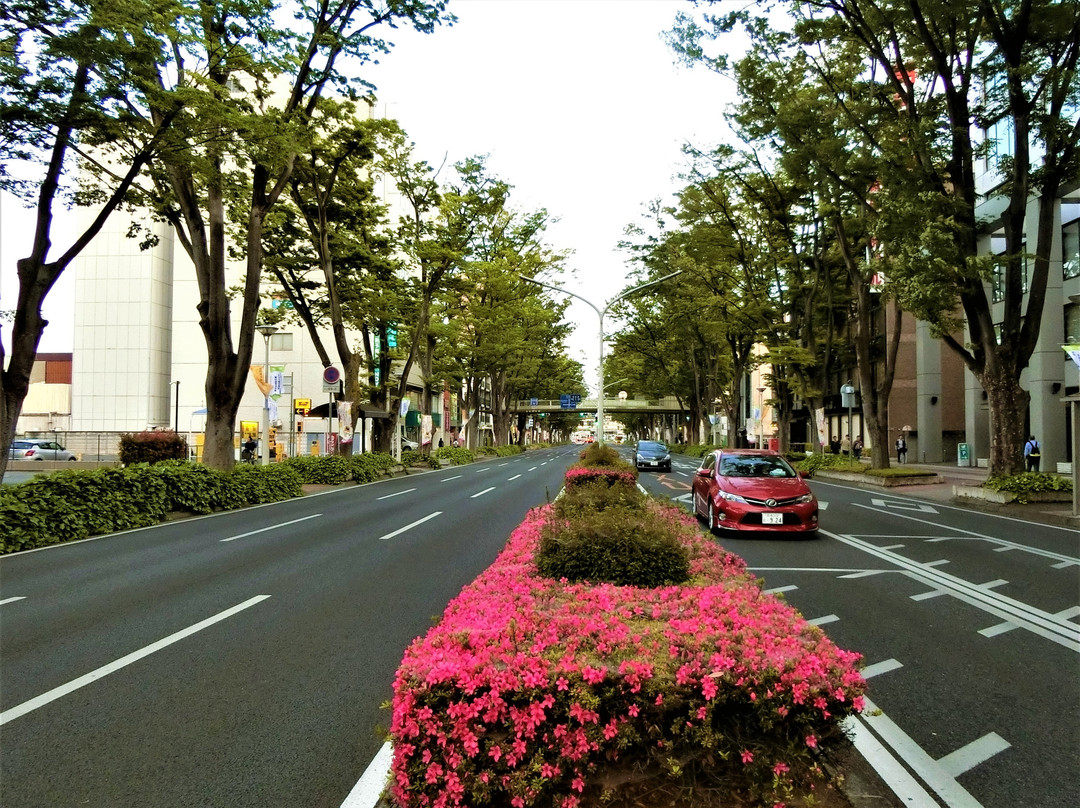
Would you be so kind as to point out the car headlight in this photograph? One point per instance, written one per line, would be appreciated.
(805, 498)
(731, 497)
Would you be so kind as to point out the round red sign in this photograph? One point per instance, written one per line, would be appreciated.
(331, 375)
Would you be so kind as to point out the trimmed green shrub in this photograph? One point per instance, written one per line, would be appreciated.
(616, 545)
(596, 454)
(1028, 482)
(597, 496)
(152, 447)
(70, 505)
(414, 457)
(322, 470)
(371, 466)
(457, 455)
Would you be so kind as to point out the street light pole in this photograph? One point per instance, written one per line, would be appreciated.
(761, 417)
(266, 331)
(600, 313)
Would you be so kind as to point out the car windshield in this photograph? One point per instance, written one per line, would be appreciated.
(756, 466)
(651, 446)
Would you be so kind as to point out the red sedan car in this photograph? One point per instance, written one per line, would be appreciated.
(751, 489)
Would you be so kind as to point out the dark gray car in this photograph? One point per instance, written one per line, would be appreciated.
(652, 454)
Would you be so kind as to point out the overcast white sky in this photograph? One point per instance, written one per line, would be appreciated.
(578, 103)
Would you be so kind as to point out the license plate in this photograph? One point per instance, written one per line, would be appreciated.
(772, 518)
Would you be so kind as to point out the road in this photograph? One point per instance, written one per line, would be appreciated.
(968, 623)
(239, 659)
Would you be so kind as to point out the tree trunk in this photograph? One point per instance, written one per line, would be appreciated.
(1008, 403)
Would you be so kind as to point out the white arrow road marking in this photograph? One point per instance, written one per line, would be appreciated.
(903, 506)
(123, 662)
(410, 526)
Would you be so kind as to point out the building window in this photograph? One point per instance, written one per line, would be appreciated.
(1070, 247)
(997, 248)
(1000, 135)
(1072, 323)
(281, 342)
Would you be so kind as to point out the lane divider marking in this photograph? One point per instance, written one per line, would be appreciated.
(273, 527)
(513, 478)
(481, 493)
(12, 600)
(410, 526)
(123, 662)
(398, 494)
(448, 479)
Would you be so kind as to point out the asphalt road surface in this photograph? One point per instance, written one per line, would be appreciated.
(239, 659)
(968, 625)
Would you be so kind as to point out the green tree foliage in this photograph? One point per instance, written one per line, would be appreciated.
(66, 71)
(330, 249)
(935, 75)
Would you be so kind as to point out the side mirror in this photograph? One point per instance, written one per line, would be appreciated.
(704, 472)
(803, 474)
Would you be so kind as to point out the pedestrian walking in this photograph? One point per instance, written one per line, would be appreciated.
(901, 450)
(856, 448)
(1032, 453)
(845, 445)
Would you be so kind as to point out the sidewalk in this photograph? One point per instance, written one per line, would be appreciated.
(1047, 513)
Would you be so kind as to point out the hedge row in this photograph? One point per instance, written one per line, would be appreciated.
(69, 505)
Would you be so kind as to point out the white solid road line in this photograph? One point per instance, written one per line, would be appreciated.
(368, 789)
(123, 662)
(410, 526)
(273, 527)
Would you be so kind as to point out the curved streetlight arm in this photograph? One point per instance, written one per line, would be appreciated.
(600, 313)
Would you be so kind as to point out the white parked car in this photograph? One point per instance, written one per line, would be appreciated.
(409, 444)
(38, 449)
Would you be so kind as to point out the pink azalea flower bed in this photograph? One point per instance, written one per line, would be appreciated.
(580, 475)
(535, 692)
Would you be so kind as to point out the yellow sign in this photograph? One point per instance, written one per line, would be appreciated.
(301, 406)
(249, 430)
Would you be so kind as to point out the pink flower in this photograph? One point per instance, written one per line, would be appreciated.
(811, 741)
(780, 768)
(747, 756)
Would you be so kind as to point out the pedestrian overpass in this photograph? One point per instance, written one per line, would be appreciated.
(668, 405)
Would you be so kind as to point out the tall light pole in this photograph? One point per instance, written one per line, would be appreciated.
(266, 331)
(600, 313)
(761, 417)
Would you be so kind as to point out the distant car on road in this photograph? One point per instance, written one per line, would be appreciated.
(753, 490)
(38, 449)
(409, 444)
(652, 454)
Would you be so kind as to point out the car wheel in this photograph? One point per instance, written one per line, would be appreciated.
(72, 459)
(713, 528)
(694, 508)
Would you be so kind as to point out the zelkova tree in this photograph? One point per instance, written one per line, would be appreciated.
(331, 251)
(948, 73)
(436, 236)
(792, 102)
(497, 334)
(251, 91)
(67, 70)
